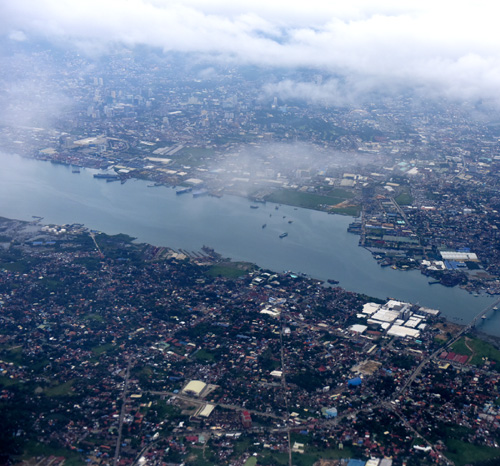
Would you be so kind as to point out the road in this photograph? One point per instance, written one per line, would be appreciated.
(122, 415)
(92, 235)
(200, 402)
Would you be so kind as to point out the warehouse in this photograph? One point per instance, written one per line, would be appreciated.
(194, 388)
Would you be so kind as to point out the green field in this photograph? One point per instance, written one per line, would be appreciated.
(64, 389)
(480, 350)
(230, 269)
(404, 198)
(204, 356)
(7, 381)
(308, 458)
(20, 266)
(14, 355)
(252, 461)
(314, 201)
(35, 449)
(460, 347)
(463, 453)
(192, 156)
(98, 350)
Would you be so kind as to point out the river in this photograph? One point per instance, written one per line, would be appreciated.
(317, 243)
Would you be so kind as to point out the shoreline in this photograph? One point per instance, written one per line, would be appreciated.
(364, 278)
(218, 192)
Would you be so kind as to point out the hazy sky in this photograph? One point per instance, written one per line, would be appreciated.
(448, 47)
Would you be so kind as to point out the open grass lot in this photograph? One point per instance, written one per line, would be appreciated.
(230, 269)
(309, 457)
(198, 457)
(463, 453)
(478, 349)
(7, 382)
(20, 266)
(192, 156)
(35, 449)
(98, 350)
(204, 356)
(482, 350)
(404, 198)
(13, 354)
(460, 347)
(311, 200)
(64, 389)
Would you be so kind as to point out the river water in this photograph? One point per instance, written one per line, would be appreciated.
(317, 243)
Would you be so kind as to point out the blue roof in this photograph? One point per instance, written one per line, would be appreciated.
(355, 382)
(354, 462)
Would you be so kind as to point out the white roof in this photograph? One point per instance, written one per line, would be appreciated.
(399, 331)
(392, 303)
(458, 256)
(385, 315)
(358, 328)
(413, 322)
(426, 310)
(207, 410)
(193, 181)
(195, 386)
(370, 308)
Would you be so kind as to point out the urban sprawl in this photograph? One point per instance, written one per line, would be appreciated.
(113, 352)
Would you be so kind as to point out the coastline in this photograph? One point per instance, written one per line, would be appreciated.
(318, 244)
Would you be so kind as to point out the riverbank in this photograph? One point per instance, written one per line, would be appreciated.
(317, 244)
(471, 278)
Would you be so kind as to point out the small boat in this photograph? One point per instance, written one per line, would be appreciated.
(254, 207)
(75, 170)
(183, 191)
(265, 225)
(290, 221)
(283, 235)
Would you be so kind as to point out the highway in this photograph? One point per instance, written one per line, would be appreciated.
(122, 415)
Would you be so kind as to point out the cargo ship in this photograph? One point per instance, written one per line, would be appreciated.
(183, 191)
(106, 176)
(201, 192)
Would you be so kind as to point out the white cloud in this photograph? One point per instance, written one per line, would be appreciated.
(450, 47)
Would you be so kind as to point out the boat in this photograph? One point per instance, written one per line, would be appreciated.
(75, 170)
(333, 282)
(265, 225)
(183, 191)
(254, 207)
(283, 235)
(290, 221)
(106, 176)
(200, 193)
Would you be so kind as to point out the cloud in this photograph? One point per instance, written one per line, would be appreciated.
(450, 48)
